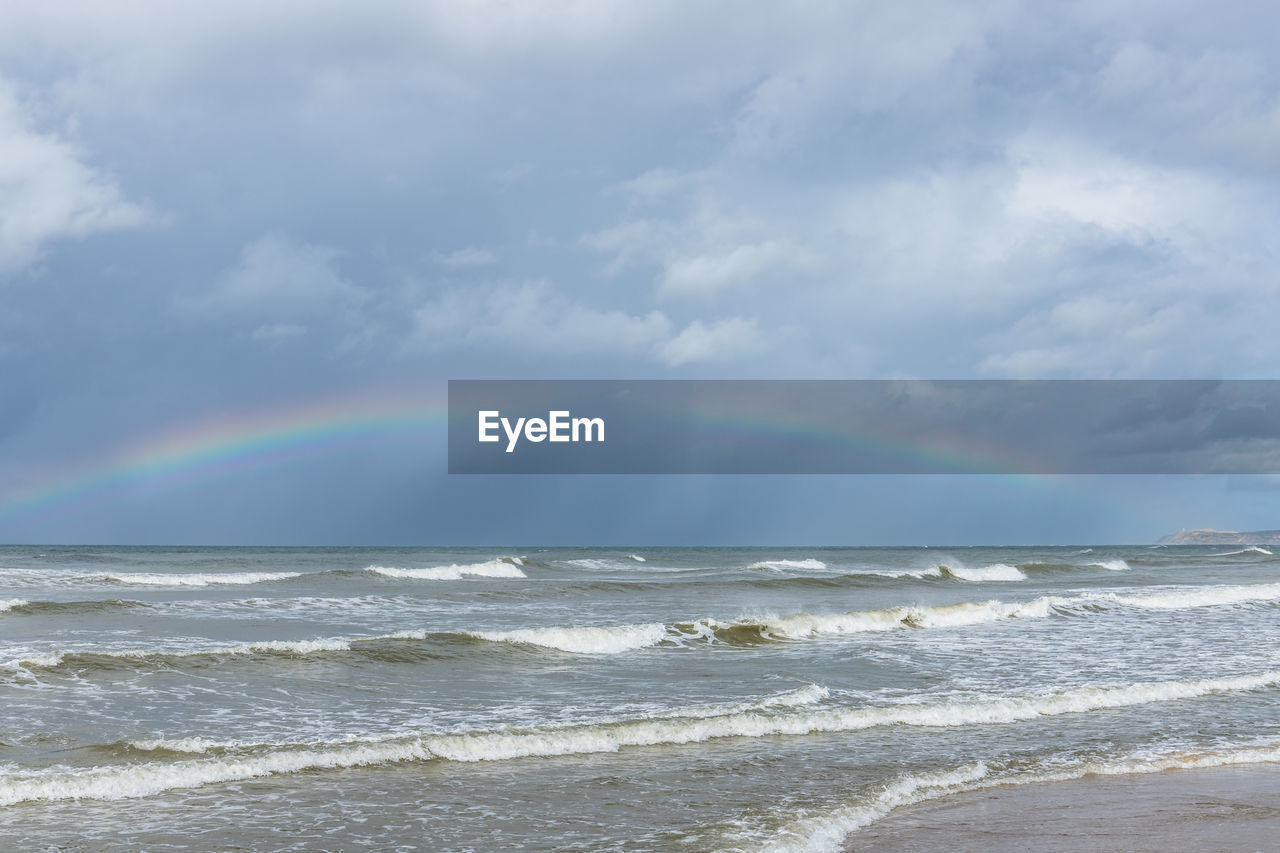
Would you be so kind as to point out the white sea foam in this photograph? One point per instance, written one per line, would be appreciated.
(598, 564)
(1191, 597)
(931, 572)
(29, 660)
(804, 625)
(810, 625)
(1112, 565)
(301, 647)
(1252, 549)
(637, 558)
(293, 606)
(810, 694)
(828, 832)
(195, 745)
(610, 640)
(180, 649)
(172, 579)
(618, 639)
(665, 728)
(141, 780)
(490, 569)
(994, 572)
(788, 564)
(807, 695)
(795, 626)
(9, 604)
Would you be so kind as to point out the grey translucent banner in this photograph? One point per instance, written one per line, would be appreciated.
(864, 427)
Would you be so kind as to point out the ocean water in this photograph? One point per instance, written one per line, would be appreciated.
(603, 699)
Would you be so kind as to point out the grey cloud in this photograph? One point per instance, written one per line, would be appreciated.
(532, 318)
(50, 191)
(278, 278)
(467, 258)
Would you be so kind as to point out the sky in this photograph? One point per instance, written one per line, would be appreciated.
(244, 245)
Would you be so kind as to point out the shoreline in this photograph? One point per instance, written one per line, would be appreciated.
(1229, 808)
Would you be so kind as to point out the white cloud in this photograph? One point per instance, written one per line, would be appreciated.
(531, 317)
(713, 271)
(656, 185)
(1057, 180)
(863, 58)
(279, 279)
(723, 340)
(48, 191)
(277, 332)
(631, 242)
(467, 258)
(707, 250)
(1195, 96)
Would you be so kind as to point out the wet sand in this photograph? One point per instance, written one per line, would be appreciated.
(1211, 809)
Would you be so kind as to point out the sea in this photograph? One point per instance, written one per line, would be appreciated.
(604, 699)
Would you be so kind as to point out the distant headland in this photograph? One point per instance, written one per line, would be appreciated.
(1221, 537)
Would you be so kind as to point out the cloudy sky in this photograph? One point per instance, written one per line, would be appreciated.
(217, 212)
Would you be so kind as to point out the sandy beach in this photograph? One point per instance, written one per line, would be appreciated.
(1212, 809)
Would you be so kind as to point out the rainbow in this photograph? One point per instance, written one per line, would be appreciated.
(211, 447)
(214, 447)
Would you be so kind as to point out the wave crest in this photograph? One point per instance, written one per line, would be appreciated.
(788, 564)
(488, 569)
(609, 640)
(799, 714)
(829, 831)
(994, 572)
(209, 579)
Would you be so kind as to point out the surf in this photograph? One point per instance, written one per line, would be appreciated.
(794, 716)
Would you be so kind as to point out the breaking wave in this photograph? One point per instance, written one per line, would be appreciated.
(931, 572)
(620, 639)
(174, 579)
(994, 572)
(90, 606)
(489, 569)
(800, 626)
(788, 564)
(604, 640)
(1112, 565)
(1252, 549)
(53, 659)
(803, 626)
(796, 713)
(828, 832)
(1183, 599)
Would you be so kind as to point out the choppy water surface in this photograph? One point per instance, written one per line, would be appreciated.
(603, 699)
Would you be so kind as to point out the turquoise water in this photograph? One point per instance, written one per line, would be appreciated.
(602, 699)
